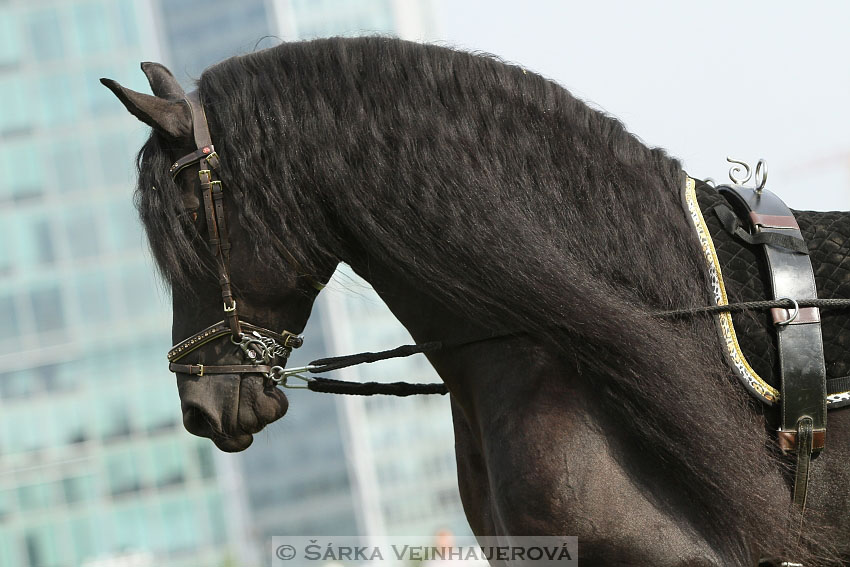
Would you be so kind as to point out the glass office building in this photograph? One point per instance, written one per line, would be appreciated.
(95, 466)
(94, 462)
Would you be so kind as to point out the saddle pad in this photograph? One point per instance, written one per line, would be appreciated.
(827, 235)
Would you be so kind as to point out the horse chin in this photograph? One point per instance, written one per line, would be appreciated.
(233, 444)
(229, 408)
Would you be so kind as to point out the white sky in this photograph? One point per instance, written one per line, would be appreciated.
(746, 79)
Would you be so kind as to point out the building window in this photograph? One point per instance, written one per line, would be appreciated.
(9, 327)
(127, 18)
(47, 308)
(23, 171)
(114, 421)
(42, 240)
(6, 505)
(10, 39)
(140, 291)
(34, 496)
(40, 542)
(86, 537)
(81, 232)
(122, 473)
(125, 231)
(46, 34)
(8, 244)
(206, 466)
(93, 298)
(114, 152)
(178, 521)
(14, 385)
(93, 28)
(58, 100)
(69, 166)
(168, 463)
(17, 106)
(78, 489)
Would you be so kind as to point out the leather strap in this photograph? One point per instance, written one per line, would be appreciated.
(190, 159)
(204, 369)
(190, 344)
(805, 448)
(200, 127)
(800, 344)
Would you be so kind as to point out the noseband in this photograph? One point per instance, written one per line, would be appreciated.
(264, 351)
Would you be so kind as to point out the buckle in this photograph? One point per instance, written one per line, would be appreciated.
(230, 309)
(213, 159)
(201, 369)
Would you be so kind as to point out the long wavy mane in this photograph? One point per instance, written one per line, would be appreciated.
(520, 206)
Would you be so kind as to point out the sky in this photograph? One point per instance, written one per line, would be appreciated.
(743, 79)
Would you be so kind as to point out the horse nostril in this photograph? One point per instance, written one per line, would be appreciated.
(198, 422)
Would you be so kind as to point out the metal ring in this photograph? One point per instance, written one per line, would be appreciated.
(791, 318)
(760, 176)
(276, 375)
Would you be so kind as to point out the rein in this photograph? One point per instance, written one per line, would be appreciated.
(329, 386)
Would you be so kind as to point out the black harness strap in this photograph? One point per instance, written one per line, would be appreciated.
(733, 225)
(800, 344)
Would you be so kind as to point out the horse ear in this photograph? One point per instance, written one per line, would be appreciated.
(171, 117)
(163, 83)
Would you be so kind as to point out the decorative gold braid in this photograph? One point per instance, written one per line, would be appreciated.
(751, 379)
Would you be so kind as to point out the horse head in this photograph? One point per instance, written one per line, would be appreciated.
(231, 300)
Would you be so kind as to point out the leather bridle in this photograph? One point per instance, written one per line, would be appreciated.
(264, 350)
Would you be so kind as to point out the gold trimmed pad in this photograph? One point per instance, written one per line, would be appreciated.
(751, 379)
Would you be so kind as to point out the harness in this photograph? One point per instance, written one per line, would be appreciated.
(758, 217)
(265, 351)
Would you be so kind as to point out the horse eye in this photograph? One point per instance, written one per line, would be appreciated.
(191, 214)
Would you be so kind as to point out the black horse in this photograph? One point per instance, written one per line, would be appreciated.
(480, 200)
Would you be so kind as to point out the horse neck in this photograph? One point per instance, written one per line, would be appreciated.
(480, 375)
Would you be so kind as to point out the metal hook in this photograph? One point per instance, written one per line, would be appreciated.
(736, 170)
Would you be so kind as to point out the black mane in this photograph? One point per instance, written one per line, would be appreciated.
(519, 204)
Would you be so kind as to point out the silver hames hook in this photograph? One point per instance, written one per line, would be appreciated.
(741, 172)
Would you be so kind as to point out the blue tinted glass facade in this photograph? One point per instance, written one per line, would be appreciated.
(94, 462)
